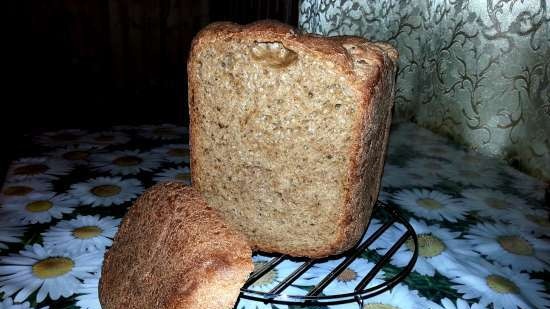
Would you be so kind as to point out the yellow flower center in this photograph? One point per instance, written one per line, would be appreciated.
(76, 155)
(428, 245)
(182, 176)
(52, 267)
(106, 190)
(178, 152)
(429, 203)
(379, 306)
(127, 161)
(86, 232)
(31, 169)
(39, 206)
(540, 221)
(17, 190)
(501, 285)
(496, 203)
(516, 245)
(268, 278)
(347, 275)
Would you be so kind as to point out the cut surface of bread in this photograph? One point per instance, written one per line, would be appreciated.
(172, 251)
(289, 132)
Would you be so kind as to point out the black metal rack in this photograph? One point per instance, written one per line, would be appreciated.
(314, 297)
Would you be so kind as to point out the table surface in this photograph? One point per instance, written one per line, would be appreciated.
(483, 228)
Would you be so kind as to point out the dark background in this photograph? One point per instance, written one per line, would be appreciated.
(88, 64)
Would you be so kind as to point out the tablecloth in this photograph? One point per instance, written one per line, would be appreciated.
(482, 225)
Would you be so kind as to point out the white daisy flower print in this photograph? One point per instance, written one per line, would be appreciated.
(525, 184)
(75, 154)
(273, 277)
(8, 303)
(126, 162)
(53, 273)
(88, 297)
(395, 177)
(268, 281)
(399, 297)
(164, 132)
(175, 153)
(10, 232)
(37, 168)
(438, 248)
(493, 203)
(432, 205)
(389, 235)
(533, 221)
(460, 304)
(508, 246)
(61, 137)
(419, 177)
(106, 191)
(426, 166)
(346, 281)
(182, 174)
(384, 196)
(374, 225)
(84, 233)
(499, 286)
(468, 175)
(39, 207)
(252, 304)
(441, 151)
(398, 177)
(107, 138)
(21, 189)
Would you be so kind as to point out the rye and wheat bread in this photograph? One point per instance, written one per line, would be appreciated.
(173, 251)
(289, 132)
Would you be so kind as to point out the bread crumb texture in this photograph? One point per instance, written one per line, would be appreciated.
(274, 129)
(173, 251)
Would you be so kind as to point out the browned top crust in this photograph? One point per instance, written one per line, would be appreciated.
(334, 48)
(169, 250)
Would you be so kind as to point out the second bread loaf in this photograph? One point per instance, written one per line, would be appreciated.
(172, 251)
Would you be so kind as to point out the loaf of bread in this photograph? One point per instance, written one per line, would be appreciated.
(173, 251)
(289, 132)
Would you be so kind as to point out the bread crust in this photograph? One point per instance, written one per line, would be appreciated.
(171, 248)
(370, 70)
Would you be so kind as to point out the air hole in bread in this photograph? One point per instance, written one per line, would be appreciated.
(273, 54)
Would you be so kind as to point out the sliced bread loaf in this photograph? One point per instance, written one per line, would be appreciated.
(289, 132)
(173, 251)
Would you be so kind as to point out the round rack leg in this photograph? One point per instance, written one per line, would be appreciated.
(359, 301)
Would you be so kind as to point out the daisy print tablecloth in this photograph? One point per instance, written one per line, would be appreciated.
(482, 226)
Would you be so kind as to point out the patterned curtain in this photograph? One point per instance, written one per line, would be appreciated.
(475, 70)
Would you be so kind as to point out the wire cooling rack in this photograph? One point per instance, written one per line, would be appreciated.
(315, 296)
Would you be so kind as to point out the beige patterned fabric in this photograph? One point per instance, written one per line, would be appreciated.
(478, 71)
